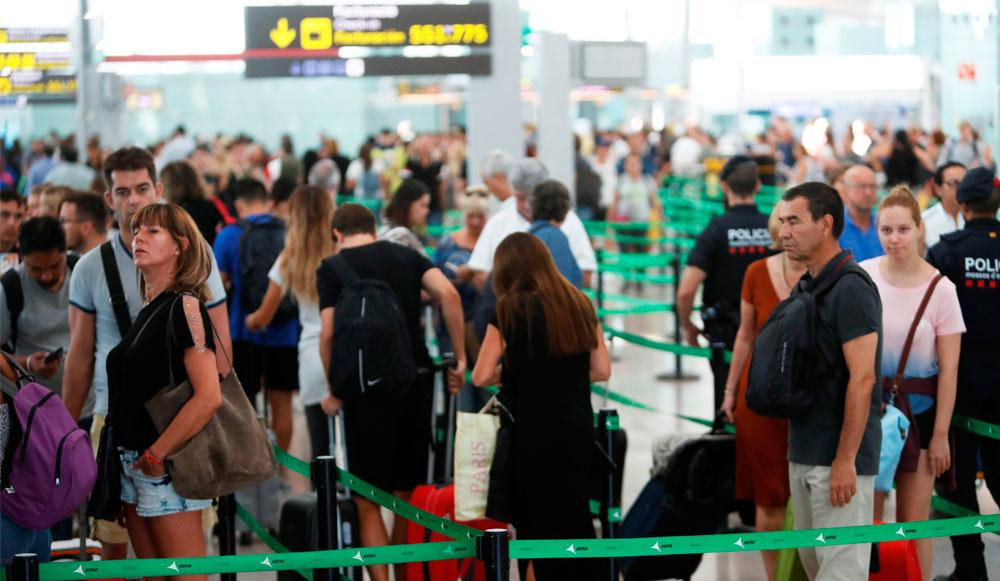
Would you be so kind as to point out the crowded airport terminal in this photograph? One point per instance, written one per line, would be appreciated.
(493, 290)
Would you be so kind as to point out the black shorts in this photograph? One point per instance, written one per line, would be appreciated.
(924, 424)
(387, 439)
(257, 366)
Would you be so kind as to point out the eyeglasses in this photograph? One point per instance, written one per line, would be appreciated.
(951, 183)
(479, 193)
(871, 187)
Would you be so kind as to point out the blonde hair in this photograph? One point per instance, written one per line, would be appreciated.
(901, 197)
(194, 264)
(308, 240)
(774, 226)
(475, 198)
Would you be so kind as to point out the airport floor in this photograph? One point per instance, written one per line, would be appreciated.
(633, 374)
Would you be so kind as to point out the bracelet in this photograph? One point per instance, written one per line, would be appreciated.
(152, 457)
(27, 364)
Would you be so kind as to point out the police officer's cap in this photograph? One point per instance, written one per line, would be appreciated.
(734, 163)
(978, 184)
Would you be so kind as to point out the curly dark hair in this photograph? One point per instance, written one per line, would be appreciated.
(550, 201)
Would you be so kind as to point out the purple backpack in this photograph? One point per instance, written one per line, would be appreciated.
(48, 466)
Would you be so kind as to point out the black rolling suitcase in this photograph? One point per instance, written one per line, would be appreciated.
(603, 462)
(298, 526)
(693, 495)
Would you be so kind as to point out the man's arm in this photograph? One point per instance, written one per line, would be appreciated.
(79, 372)
(441, 289)
(691, 279)
(859, 353)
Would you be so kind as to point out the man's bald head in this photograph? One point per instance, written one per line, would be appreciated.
(860, 188)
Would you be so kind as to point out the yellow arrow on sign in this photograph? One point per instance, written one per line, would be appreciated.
(281, 35)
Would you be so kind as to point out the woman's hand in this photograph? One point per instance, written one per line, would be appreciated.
(728, 404)
(938, 455)
(149, 465)
(456, 376)
(253, 322)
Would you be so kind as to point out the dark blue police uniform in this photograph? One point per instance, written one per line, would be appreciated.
(970, 258)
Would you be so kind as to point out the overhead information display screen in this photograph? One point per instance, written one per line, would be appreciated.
(370, 25)
(306, 41)
(35, 63)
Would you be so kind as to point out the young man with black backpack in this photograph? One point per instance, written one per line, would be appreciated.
(817, 361)
(246, 251)
(372, 346)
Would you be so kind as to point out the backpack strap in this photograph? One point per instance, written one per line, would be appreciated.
(23, 376)
(343, 269)
(14, 295)
(118, 302)
(897, 381)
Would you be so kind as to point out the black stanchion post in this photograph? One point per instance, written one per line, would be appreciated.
(324, 477)
(600, 285)
(227, 530)
(607, 425)
(493, 549)
(24, 567)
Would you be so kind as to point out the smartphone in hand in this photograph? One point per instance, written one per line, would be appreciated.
(54, 355)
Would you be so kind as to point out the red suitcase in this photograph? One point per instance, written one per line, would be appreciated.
(440, 500)
(898, 561)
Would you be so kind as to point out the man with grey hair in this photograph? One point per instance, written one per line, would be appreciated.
(524, 176)
(325, 174)
(495, 171)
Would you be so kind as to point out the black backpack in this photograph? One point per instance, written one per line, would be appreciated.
(788, 364)
(260, 245)
(14, 296)
(372, 353)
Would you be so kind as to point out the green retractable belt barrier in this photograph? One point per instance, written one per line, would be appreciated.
(976, 426)
(654, 342)
(382, 498)
(742, 542)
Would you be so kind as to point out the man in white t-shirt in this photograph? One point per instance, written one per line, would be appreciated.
(944, 217)
(515, 216)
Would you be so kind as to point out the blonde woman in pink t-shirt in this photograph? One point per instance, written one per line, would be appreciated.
(930, 374)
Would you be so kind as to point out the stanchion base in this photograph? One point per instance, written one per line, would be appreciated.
(673, 376)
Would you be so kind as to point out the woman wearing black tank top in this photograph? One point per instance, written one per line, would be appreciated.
(174, 263)
(551, 344)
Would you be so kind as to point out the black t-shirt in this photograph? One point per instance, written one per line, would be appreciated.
(138, 366)
(431, 176)
(724, 250)
(970, 258)
(205, 216)
(400, 267)
(850, 309)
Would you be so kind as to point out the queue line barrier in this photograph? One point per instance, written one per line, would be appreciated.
(493, 547)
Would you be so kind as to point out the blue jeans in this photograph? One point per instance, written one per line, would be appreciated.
(16, 539)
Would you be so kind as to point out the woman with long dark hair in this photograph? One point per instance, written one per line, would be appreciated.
(552, 348)
(406, 213)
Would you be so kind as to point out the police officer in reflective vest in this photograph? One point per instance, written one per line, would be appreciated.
(971, 259)
(721, 254)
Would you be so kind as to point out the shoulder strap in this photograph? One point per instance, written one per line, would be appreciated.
(23, 376)
(343, 269)
(897, 381)
(118, 302)
(71, 260)
(838, 272)
(14, 294)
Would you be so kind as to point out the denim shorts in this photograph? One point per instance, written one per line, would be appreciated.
(153, 495)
